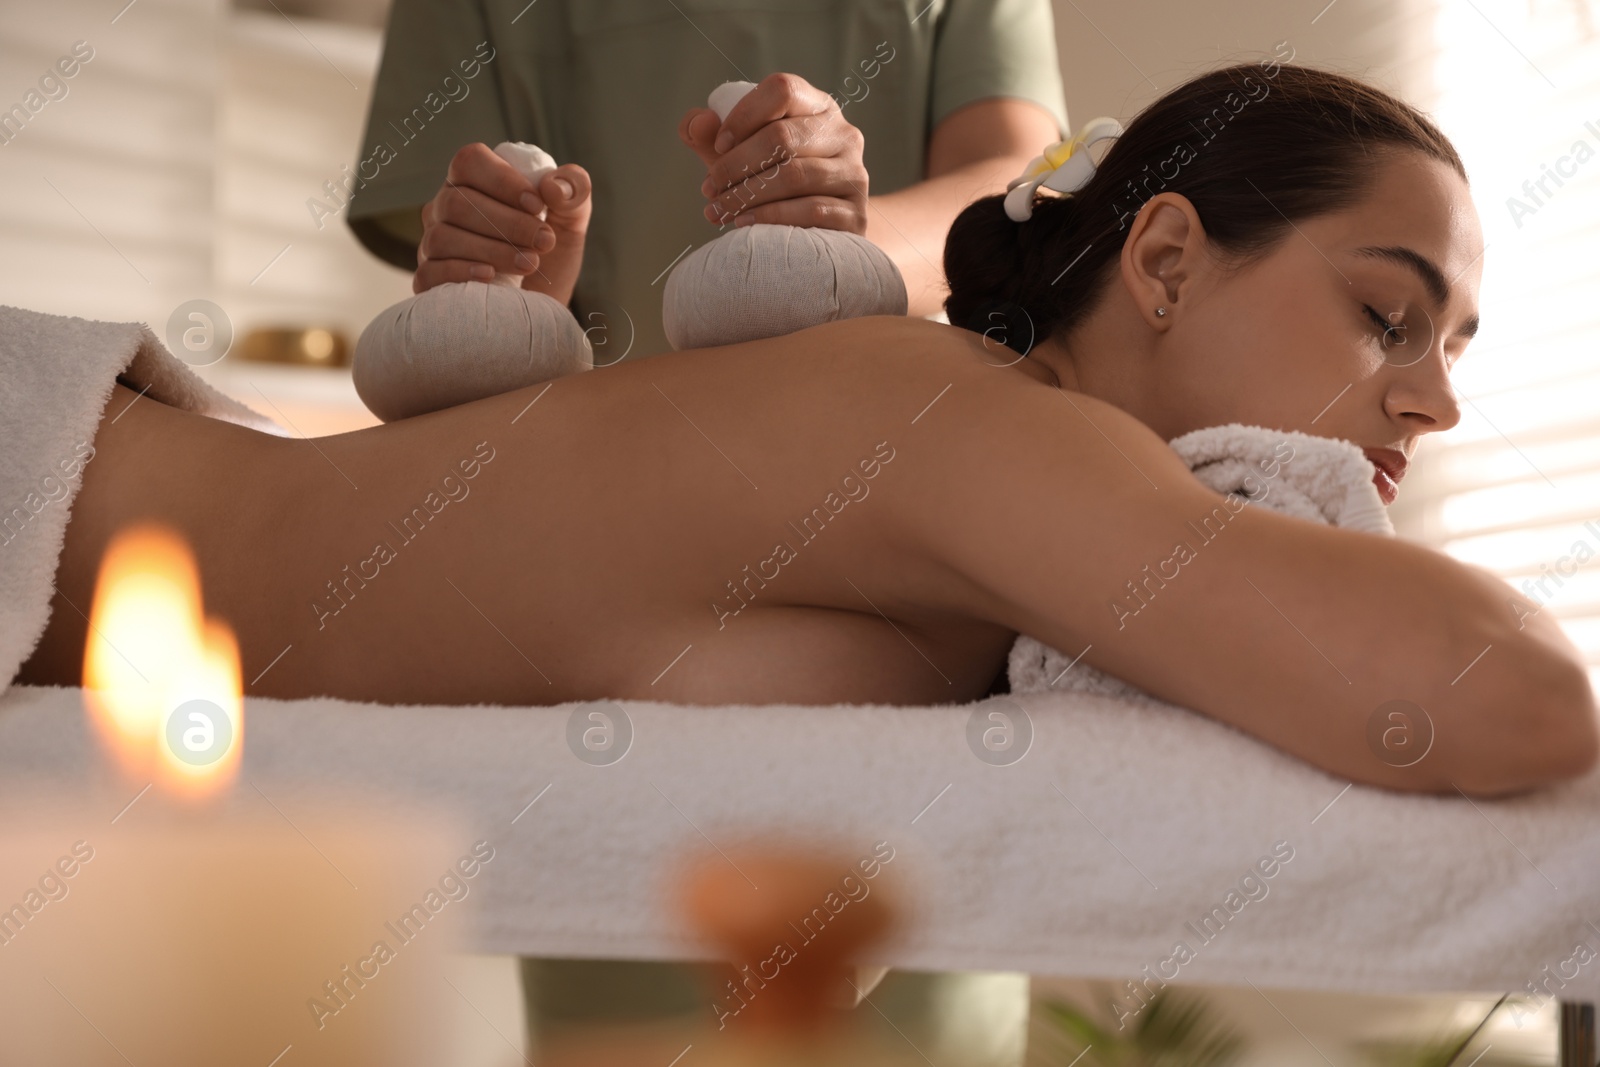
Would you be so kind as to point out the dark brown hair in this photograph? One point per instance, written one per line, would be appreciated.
(1253, 147)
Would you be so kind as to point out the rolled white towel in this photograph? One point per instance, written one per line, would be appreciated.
(1320, 478)
(1323, 479)
(765, 280)
(463, 341)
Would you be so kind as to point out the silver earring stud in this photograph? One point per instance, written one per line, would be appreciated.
(1161, 313)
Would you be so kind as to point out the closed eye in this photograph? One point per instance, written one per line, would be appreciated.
(1385, 326)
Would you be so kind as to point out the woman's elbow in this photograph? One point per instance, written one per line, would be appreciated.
(1544, 729)
(1574, 747)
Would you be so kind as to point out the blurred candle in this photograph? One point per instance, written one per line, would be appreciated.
(158, 930)
(161, 680)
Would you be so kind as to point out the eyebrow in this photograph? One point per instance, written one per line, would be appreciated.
(1432, 277)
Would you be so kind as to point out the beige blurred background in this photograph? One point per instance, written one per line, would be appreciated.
(179, 165)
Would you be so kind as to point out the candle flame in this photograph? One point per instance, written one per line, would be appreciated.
(162, 682)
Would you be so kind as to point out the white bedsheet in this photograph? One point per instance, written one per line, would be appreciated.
(1093, 855)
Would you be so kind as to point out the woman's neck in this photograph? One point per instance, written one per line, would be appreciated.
(1107, 356)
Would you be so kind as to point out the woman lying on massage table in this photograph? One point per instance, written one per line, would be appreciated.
(872, 510)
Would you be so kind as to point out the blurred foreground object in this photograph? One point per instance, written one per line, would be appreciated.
(190, 941)
(793, 923)
(165, 916)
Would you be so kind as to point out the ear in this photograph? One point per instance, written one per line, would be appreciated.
(1163, 256)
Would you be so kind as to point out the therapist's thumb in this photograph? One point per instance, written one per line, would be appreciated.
(698, 130)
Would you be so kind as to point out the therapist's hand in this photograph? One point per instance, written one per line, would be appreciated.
(485, 218)
(785, 155)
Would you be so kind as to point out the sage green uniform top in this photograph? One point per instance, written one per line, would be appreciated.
(604, 83)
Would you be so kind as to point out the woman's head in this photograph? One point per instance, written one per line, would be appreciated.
(1272, 211)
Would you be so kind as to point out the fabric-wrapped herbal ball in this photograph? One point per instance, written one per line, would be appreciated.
(765, 280)
(463, 341)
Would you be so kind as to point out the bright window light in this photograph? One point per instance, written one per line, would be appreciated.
(1516, 487)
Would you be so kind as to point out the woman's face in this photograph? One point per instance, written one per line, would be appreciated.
(1347, 328)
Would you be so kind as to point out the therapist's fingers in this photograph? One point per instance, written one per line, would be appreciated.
(439, 271)
(821, 212)
(473, 212)
(780, 143)
(448, 254)
(801, 177)
(698, 129)
(567, 191)
(777, 96)
(475, 166)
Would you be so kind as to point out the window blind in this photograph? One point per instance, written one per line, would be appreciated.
(1516, 486)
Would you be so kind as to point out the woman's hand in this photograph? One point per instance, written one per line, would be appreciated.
(485, 219)
(785, 155)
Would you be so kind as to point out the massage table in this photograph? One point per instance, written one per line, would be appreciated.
(1109, 832)
(1119, 832)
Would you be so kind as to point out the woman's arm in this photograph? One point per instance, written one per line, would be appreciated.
(973, 152)
(1067, 520)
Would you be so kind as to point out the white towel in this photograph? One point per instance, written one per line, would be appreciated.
(56, 375)
(1123, 826)
(1318, 478)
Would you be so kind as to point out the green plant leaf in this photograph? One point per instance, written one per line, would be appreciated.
(1171, 1031)
(1077, 1024)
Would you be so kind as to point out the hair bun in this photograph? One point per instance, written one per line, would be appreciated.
(994, 268)
(1005, 322)
(981, 253)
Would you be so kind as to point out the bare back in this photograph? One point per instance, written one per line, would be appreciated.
(735, 524)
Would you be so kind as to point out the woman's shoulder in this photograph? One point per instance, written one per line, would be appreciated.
(887, 335)
(961, 391)
(913, 348)
(980, 377)
(873, 358)
(987, 435)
